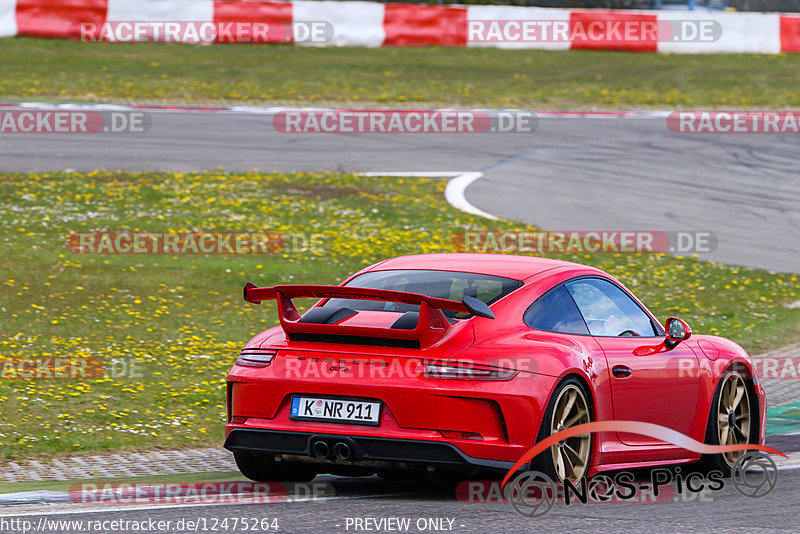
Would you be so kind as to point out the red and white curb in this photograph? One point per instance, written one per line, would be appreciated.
(273, 110)
(64, 497)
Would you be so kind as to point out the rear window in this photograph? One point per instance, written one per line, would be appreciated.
(438, 284)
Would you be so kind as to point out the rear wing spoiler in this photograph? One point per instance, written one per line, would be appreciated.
(432, 325)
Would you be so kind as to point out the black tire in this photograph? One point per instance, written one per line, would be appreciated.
(717, 462)
(261, 468)
(544, 462)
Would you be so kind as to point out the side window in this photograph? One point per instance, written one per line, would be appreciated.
(556, 312)
(608, 311)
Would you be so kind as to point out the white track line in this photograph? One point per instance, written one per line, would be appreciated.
(454, 193)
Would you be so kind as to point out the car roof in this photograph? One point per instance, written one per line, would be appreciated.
(506, 265)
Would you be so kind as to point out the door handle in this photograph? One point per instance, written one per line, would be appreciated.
(620, 371)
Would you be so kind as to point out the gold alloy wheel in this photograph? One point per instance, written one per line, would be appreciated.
(570, 456)
(733, 415)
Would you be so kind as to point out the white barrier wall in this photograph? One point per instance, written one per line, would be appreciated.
(756, 33)
(8, 18)
(354, 24)
(516, 13)
(160, 10)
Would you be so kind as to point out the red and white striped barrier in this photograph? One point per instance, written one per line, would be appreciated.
(373, 24)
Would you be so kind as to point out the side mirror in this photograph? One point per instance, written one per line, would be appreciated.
(677, 331)
(477, 307)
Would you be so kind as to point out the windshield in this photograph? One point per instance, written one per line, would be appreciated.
(439, 284)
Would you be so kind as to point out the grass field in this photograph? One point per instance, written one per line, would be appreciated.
(41, 69)
(181, 318)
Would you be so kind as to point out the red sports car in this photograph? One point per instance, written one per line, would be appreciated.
(452, 363)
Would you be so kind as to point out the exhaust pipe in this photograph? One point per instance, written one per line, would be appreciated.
(342, 451)
(320, 449)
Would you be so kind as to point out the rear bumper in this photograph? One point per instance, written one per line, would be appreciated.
(500, 417)
(364, 449)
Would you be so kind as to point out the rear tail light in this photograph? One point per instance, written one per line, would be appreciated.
(238, 420)
(465, 372)
(255, 357)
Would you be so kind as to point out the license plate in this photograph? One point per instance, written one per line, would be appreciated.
(336, 410)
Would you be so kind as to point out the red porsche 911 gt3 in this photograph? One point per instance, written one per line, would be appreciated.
(456, 363)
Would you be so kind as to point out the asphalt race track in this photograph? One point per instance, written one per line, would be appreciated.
(571, 174)
(719, 512)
